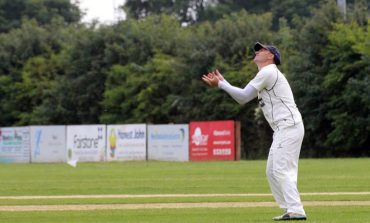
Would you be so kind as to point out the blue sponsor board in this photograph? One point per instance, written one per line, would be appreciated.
(168, 142)
(15, 145)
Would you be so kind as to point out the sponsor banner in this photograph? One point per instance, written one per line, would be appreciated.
(214, 140)
(86, 143)
(15, 145)
(168, 142)
(48, 144)
(126, 142)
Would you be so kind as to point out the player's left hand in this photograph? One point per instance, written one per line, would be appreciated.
(211, 79)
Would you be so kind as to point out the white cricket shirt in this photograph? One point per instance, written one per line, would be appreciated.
(276, 98)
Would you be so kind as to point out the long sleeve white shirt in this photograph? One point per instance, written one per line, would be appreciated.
(242, 96)
(274, 95)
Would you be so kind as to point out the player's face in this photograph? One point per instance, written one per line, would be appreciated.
(262, 55)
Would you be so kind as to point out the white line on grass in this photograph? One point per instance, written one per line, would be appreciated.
(91, 207)
(102, 196)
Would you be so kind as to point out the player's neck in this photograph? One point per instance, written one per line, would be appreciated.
(262, 65)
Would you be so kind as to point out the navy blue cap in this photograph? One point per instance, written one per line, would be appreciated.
(272, 49)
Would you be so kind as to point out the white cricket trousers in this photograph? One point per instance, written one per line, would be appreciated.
(282, 167)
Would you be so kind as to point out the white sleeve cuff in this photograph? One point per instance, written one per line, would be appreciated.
(223, 83)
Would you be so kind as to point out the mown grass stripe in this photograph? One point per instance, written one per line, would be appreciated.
(104, 196)
(91, 207)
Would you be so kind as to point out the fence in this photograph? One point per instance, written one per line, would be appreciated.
(196, 141)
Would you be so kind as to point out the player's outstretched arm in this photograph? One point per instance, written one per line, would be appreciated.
(242, 96)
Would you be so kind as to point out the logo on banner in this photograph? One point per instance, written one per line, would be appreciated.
(182, 134)
(198, 138)
(112, 142)
(168, 136)
(100, 133)
(38, 142)
(133, 134)
(15, 139)
(221, 132)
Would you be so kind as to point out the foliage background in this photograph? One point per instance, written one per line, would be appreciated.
(146, 69)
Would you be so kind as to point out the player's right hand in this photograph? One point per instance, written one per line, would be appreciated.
(219, 75)
(211, 79)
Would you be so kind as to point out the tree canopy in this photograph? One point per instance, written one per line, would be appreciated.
(14, 12)
(147, 68)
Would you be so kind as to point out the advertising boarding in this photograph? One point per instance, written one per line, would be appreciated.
(86, 143)
(15, 145)
(213, 140)
(126, 142)
(168, 142)
(48, 144)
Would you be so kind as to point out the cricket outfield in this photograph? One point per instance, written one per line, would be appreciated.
(332, 190)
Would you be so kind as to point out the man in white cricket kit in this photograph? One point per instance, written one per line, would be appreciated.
(277, 103)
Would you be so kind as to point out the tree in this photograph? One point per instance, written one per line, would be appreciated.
(347, 85)
(307, 72)
(26, 68)
(192, 11)
(148, 69)
(145, 75)
(146, 93)
(187, 11)
(291, 9)
(329, 74)
(12, 12)
(7, 108)
(80, 89)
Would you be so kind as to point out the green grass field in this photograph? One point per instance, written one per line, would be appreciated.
(163, 178)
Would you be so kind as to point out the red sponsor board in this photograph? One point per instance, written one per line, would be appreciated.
(212, 140)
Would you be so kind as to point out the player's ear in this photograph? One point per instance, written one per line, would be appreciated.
(271, 56)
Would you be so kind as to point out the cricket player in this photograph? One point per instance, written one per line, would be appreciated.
(276, 100)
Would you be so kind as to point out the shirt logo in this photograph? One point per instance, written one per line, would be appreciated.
(261, 102)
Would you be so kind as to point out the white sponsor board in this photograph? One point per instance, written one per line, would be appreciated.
(126, 142)
(86, 143)
(15, 145)
(168, 142)
(48, 144)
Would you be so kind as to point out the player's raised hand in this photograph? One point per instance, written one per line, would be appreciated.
(219, 75)
(213, 78)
